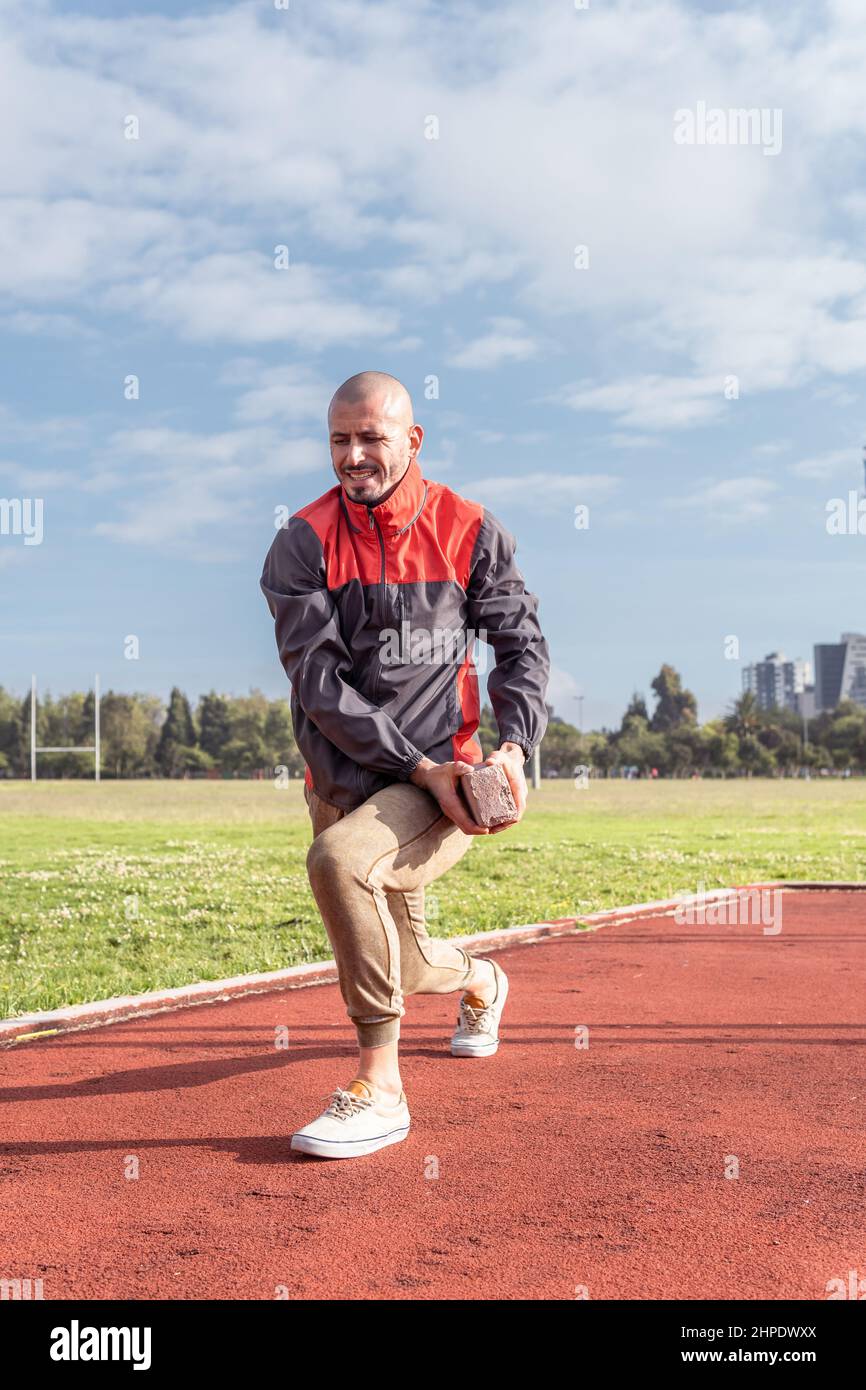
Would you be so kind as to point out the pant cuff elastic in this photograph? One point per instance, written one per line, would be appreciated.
(378, 1034)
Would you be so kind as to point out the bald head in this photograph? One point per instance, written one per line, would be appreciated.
(376, 387)
(373, 435)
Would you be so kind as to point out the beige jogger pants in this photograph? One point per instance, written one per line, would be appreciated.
(368, 869)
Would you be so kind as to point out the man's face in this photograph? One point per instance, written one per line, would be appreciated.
(372, 445)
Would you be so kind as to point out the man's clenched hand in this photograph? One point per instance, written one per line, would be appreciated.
(440, 780)
(511, 759)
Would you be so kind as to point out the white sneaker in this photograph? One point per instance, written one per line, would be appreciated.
(477, 1032)
(355, 1123)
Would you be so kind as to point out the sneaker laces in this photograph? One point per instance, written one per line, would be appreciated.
(344, 1104)
(475, 1020)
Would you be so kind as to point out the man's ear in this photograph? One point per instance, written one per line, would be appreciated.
(416, 435)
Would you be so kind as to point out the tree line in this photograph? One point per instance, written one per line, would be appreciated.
(250, 736)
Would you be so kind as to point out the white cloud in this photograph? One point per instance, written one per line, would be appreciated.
(772, 447)
(632, 441)
(61, 250)
(830, 465)
(649, 402)
(525, 437)
(562, 693)
(731, 500)
(33, 325)
(178, 484)
(444, 462)
(714, 260)
(543, 494)
(32, 482)
(507, 341)
(241, 298)
(54, 431)
(291, 393)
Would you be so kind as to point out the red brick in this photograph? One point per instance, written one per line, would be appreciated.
(488, 793)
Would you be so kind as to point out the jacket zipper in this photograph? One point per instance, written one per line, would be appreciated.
(375, 525)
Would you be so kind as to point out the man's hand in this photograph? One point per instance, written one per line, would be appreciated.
(440, 780)
(511, 759)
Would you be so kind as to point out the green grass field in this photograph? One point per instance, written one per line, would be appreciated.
(124, 887)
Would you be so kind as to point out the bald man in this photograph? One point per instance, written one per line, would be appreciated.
(378, 590)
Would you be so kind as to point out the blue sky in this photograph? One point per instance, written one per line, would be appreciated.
(451, 257)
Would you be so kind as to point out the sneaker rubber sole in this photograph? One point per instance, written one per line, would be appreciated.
(346, 1148)
(478, 1050)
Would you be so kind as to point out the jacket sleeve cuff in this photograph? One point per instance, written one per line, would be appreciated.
(409, 766)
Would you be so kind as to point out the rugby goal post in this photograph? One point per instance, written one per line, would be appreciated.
(94, 748)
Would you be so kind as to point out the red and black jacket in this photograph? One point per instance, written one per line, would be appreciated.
(342, 580)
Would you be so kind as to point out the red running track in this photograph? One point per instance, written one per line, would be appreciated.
(559, 1169)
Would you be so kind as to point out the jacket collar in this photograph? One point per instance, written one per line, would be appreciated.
(398, 511)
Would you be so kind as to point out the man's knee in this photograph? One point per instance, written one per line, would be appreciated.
(327, 859)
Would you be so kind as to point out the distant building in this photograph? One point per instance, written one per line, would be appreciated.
(840, 671)
(829, 665)
(777, 683)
